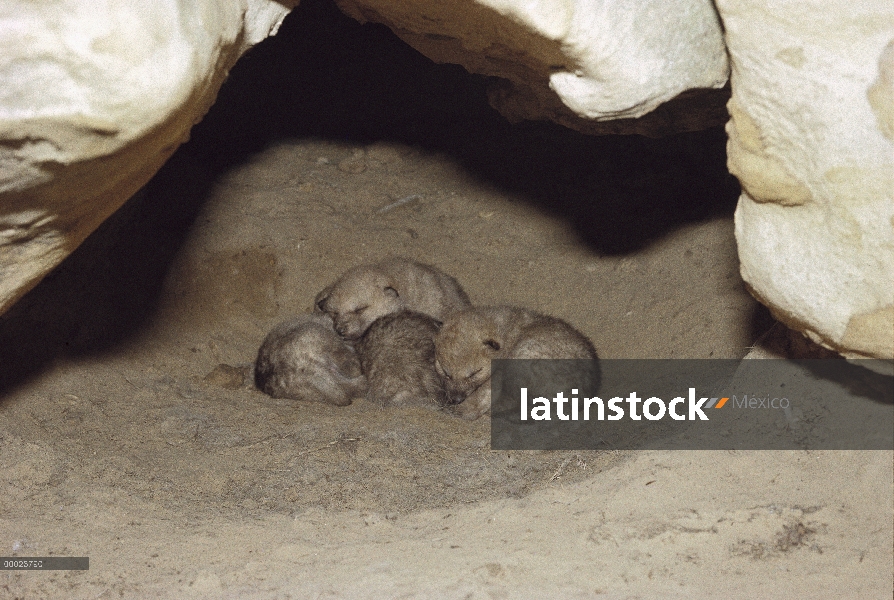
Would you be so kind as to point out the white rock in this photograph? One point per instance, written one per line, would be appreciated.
(94, 97)
(811, 142)
(600, 59)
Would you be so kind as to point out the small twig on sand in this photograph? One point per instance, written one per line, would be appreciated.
(329, 445)
(271, 438)
(397, 203)
(560, 470)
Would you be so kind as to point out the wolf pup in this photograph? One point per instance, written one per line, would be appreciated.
(470, 338)
(304, 359)
(368, 292)
(397, 354)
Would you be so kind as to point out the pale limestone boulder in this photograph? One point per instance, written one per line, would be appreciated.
(811, 139)
(594, 65)
(94, 97)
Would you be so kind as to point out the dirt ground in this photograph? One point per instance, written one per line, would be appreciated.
(332, 144)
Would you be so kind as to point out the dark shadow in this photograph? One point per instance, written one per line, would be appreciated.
(110, 285)
(761, 321)
(326, 76)
(859, 378)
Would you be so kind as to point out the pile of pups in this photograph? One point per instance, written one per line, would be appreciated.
(400, 332)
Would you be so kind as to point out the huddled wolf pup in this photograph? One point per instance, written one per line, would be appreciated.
(304, 359)
(368, 292)
(397, 354)
(469, 339)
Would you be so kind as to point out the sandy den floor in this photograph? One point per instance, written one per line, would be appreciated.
(333, 144)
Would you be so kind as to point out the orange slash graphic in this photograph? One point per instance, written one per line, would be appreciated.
(721, 403)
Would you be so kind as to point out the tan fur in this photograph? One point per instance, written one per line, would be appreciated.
(368, 292)
(469, 339)
(304, 359)
(397, 354)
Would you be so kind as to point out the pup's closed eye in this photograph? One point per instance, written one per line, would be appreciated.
(442, 370)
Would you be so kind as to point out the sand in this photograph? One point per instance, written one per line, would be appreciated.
(122, 438)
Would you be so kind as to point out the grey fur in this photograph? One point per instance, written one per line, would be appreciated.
(397, 354)
(368, 292)
(469, 339)
(304, 359)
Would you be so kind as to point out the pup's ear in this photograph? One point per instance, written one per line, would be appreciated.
(320, 300)
(492, 344)
(390, 291)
